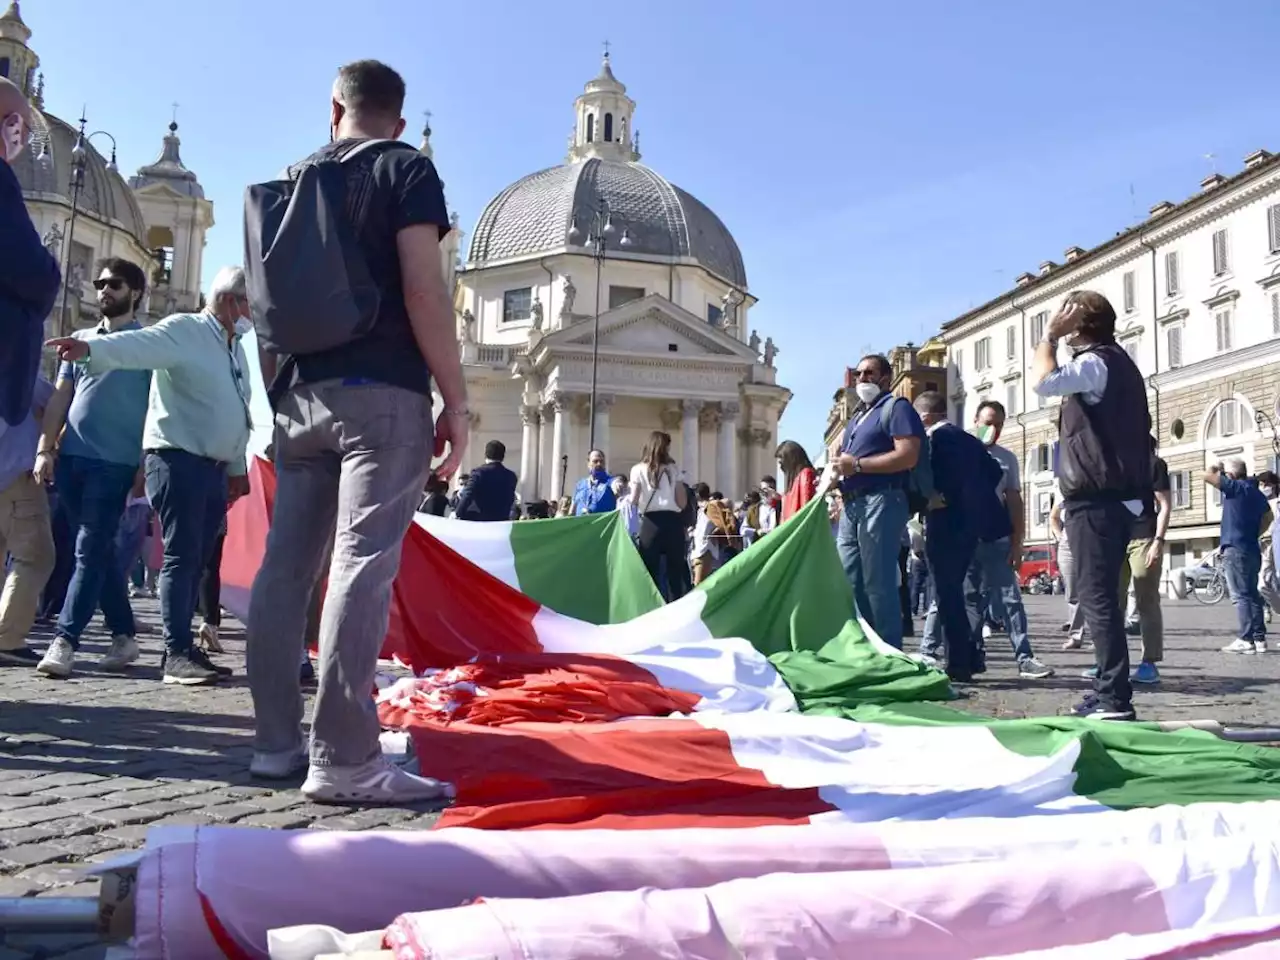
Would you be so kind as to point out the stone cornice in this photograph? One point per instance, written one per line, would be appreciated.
(1231, 362)
(1222, 297)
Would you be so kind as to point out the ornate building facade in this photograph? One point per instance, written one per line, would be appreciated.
(669, 288)
(158, 219)
(1196, 288)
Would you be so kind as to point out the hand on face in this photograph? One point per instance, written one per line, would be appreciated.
(1065, 322)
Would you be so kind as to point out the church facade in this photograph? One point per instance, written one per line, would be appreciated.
(598, 303)
(158, 218)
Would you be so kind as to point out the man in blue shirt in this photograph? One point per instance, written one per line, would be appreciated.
(1243, 508)
(874, 466)
(96, 461)
(594, 492)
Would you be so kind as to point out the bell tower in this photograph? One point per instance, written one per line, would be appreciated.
(604, 112)
(18, 62)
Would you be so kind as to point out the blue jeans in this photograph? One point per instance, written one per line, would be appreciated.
(1242, 568)
(92, 493)
(189, 495)
(955, 612)
(1003, 597)
(131, 537)
(868, 541)
(921, 586)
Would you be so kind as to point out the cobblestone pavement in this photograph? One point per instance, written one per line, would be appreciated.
(88, 764)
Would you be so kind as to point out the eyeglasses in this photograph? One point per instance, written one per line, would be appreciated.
(867, 374)
(115, 283)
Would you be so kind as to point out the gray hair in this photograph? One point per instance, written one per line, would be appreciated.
(1236, 468)
(228, 282)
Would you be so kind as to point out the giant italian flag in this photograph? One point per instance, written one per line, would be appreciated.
(559, 694)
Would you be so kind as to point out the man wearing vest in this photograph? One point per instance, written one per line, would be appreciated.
(1104, 471)
(877, 455)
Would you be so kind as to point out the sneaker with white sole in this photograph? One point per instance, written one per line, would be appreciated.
(1033, 669)
(188, 669)
(58, 659)
(280, 765)
(1245, 647)
(375, 782)
(124, 650)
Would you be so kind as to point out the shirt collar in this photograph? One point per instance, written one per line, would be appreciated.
(216, 326)
(929, 430)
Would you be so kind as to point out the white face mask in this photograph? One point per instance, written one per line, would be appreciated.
(243, 326)
(11, 139)
(868, 392)
(1269, 492)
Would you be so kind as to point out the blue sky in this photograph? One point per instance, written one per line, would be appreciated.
(884, 167)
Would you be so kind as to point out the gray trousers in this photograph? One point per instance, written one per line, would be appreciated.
(354, 458)
(1067, 567)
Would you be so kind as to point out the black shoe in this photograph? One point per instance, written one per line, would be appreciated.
(24, 656)
(186, 670)
(198, 656)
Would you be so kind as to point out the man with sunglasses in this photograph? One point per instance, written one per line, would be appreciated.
(196, 431)
(29, 278)
(95, 462)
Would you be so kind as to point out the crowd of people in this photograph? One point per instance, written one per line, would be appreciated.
(146, 428)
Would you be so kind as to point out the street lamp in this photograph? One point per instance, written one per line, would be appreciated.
(601, 232)
(79, 160)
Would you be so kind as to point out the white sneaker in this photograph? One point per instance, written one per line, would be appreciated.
(124, 650)
(375, 782)
(1245, 646)
(280, 765)
(58, 659)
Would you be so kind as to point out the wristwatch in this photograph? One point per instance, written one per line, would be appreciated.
(857, 464)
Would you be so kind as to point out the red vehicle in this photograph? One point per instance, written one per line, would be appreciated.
(1038, 571)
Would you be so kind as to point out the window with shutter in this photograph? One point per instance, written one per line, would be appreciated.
(1273, 227)
(982, 354)
(1275, 313)
(1011, 342)
(1171, 274)
(1180, 489)
(1130, 292)
(1038, 323)
(1220, 264)
(1222, 325)
(1131, 348)
(1011, 400)
(1173, 337)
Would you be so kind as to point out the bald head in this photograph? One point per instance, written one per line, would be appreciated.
(15, 120)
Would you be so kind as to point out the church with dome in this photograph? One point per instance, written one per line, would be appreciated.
(158, 218)
(604, 243)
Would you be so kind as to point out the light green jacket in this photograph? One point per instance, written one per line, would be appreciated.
(200, 392)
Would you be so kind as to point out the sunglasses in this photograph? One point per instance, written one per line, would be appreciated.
(115, 283)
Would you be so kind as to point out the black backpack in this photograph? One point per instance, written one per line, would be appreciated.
(308, 282)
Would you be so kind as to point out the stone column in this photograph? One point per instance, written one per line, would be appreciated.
(559, 443)
(544, 439)
(727, 452)
(690, 410)
(604, 402)
(528, 451)
(475, 455)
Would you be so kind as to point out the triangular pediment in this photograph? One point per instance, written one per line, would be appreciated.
(650, 326)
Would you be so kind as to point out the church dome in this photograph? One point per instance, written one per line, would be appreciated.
(104, 194)
(535, 214)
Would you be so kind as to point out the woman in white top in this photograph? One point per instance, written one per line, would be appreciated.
(659, 498)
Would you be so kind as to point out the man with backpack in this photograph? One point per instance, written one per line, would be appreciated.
(884, 480)
(345, 280)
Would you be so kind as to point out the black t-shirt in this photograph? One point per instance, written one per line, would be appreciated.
(1144, 528)
(434, 504)
(388, 189)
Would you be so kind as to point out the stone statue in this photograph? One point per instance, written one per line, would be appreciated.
(468, 327)
(754, 343)
(535, 315)
(570, 294)
(770, 351)
(729, 310)
(622, 131)
(53, 241)
(75, 281)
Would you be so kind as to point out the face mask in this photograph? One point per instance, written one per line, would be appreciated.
(11, 137)
(868, 392)
(1269, 492)
(987, 433)
(243, 326)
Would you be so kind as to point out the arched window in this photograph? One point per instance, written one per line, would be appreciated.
(608, 128)
(591, 127)
(1227, 419)
(4, 66)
